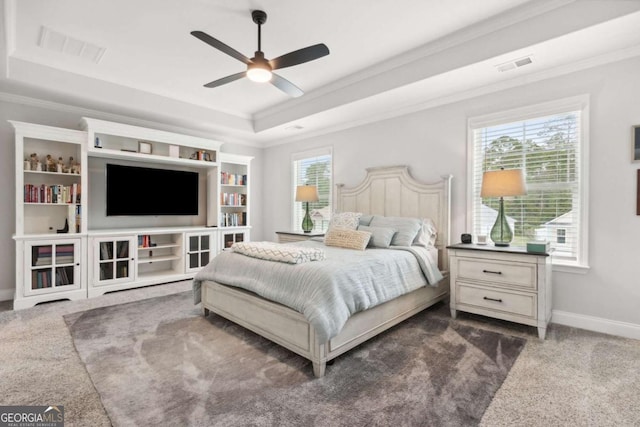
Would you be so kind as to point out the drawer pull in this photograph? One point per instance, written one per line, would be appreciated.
(492, 299)
(492, 272)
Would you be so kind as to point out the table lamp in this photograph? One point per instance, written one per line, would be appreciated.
(502, 183)
(306, 194)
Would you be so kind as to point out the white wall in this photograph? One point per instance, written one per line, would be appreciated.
(433, 142)
(52, 116)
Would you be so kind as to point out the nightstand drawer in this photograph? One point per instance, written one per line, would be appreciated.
(521, 304)
(510, 274)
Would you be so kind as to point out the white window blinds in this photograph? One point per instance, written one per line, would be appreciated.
(313, 168)
(548, 150)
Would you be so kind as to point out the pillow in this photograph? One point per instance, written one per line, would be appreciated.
(345, 238)
(406, 228)
(365, 219)
(427, 234)
(380, 236)
(348, 220)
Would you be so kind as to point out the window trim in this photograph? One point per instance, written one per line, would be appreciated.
(579, 102)
(301, 155)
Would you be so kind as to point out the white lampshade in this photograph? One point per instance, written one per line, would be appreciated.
(307, 193)
(503, 182)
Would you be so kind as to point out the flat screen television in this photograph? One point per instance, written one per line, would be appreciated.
(133, 190)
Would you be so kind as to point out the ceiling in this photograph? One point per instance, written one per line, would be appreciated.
(387, 57)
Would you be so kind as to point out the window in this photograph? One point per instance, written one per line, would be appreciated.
(313, 168)
(561, 235)
(549, 143)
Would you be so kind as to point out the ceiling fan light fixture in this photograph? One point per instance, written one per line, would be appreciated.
(259, 69)
(259, 73)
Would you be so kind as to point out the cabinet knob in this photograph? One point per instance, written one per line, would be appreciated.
(492, 272)
(492, 299)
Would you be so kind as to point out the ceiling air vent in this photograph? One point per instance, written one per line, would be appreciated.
(58, 42)
(517, 63)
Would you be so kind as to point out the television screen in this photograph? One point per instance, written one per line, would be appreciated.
(134, 190)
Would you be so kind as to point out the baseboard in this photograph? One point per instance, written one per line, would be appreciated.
(596, 324)
(6, 294)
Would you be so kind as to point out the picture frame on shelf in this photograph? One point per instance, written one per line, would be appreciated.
(635, 143)
(145, 147)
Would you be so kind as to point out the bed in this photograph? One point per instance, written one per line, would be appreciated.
(385, 192)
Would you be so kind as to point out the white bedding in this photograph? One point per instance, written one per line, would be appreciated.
(328, 292)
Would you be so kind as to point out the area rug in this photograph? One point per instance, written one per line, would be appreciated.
(160, 362)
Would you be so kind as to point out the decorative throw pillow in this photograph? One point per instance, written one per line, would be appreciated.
(345, 238)
(380, 236)
(406, 228)
(348, 220)
(365, 219)
(427, 235)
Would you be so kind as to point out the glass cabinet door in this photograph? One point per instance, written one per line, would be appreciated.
(114, 260)
(231, 237)
(199, 251)
(52, 266)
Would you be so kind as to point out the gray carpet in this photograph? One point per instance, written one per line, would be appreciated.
(159, 362)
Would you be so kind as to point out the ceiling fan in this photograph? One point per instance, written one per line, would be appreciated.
(260, 69)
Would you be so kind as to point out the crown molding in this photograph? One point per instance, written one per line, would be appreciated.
(88, 112)
(402, 110)
(467, 34)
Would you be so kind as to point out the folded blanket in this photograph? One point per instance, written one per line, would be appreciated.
(289, 254)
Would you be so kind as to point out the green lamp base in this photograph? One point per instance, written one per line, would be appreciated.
(501, 233)
(307, 223)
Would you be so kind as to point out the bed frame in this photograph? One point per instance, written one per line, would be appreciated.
(388, 191)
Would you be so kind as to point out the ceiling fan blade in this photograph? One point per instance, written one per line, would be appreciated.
(299, 56)
(220, 46)
(225, 80)
(286, 86)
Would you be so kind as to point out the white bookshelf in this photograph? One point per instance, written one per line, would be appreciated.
(91, 259)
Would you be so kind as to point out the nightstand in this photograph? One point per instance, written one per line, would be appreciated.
(506, 283)
(296, 236)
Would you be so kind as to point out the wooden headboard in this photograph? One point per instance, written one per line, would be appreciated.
(392, 191)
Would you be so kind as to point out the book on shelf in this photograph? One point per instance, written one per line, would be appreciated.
(41, 279)
(106, 250)
(57, 193)
(41, 255)
(233, 199)
(64, 254)
(144, 241)
(62, 277)
(233, 219)
(227, 178)
(78, 218)
(123, 249)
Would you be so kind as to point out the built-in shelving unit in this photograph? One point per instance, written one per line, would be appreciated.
(233, 215)
(65, 251)
(129, 258)
(49, 182)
